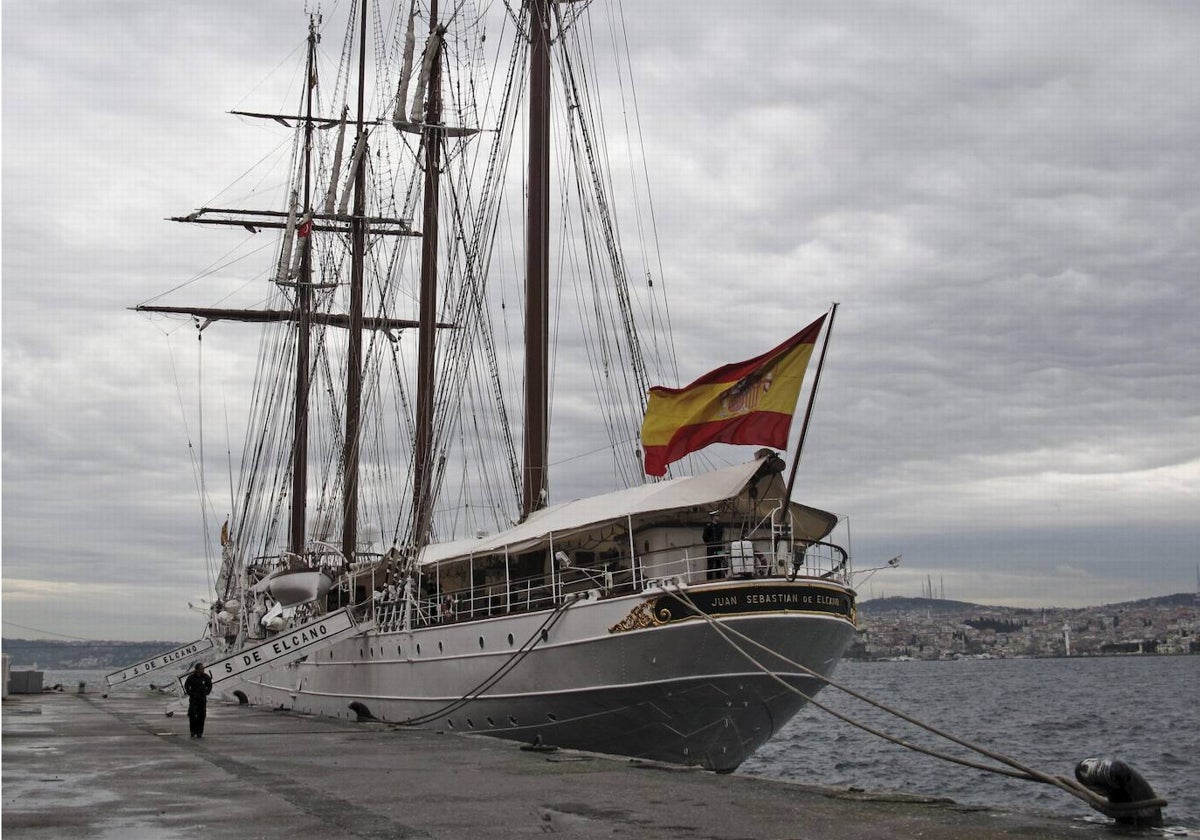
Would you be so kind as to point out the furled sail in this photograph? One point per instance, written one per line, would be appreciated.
(331, 198)
(405, 68)
(432, 45)
(289, 232)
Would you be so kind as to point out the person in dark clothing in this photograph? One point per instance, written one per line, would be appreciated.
(197, 687)
(714, 540)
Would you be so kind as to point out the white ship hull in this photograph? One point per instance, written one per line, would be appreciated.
(673, 691)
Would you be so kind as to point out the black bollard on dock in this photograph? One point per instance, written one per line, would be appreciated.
(1133, 800)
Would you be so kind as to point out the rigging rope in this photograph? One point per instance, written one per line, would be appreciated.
(1019, 770)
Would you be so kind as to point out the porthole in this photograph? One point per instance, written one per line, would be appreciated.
(512, 720)
(440, 648)
(450, 723)
(491, 722)
(481, 642)
(552, 717)
(418, 648)
(470, 723)
(399, 651)
(510, 639)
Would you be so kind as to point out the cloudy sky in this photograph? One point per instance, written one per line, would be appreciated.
(1004, 198)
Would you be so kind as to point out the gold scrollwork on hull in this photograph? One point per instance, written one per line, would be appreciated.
(639, 618)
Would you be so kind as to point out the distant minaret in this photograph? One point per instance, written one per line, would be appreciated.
(1067, 638)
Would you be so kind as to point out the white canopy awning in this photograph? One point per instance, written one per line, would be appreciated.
(704, 491)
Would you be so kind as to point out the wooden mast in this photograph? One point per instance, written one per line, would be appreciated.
(358, 237)
(537, 264)
(427, 346)
(303, 321)
(356, 225)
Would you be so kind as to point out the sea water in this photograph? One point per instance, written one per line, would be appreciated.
(1046, 713)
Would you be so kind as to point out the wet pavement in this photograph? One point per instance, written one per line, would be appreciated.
(118, 767)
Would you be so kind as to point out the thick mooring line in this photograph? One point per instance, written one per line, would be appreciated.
(1127, 797)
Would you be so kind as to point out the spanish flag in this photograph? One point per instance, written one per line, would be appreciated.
(748, 402)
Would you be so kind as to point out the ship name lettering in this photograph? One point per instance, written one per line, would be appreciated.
(298, 639)
(179, 654)
(159, 661)
(775, 598)
(724, 601)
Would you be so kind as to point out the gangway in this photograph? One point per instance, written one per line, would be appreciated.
(286, 647)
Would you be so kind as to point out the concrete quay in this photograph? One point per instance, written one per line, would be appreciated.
(86, 766)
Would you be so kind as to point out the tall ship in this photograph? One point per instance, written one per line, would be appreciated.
(395, 548)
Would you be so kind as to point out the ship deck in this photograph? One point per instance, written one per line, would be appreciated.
(85, 765)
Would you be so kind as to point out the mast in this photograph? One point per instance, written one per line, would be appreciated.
(358, 236)
(296, 268)
(303, 320)
(537, 264)
(426, 350)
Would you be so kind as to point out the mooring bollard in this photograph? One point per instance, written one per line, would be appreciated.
(1131, 799)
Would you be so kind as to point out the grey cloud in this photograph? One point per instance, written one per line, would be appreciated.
(1004, 199)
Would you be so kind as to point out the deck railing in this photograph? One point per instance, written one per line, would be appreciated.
(685, 565)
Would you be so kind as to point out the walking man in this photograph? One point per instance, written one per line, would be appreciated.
(197, 687)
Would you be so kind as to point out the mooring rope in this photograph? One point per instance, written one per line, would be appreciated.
(539, 635)
(1019, 771)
